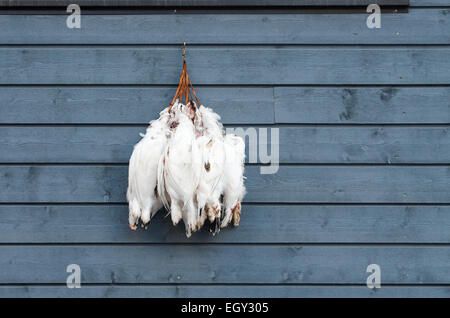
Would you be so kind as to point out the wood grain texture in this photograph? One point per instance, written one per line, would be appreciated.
(364, 145)
(259, 224)
(362, 105)
(296, 184)
(127, 105)
(236, 105)
(224, 264)
(431, 3)
(418, 26)
(224, 291)
(226, 65)
(296, 144)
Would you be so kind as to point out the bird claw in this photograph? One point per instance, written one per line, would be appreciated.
(237, 214)
(236, 219)
(133, 227)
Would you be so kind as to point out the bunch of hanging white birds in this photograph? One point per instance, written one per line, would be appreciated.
(186, 163)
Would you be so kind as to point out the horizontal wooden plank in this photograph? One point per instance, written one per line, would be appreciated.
(176, 264)
(236, 105)
(359, 184)
(365, 145)
(416, 27)
(362, 105)
(223, 291)
(288, 224)
(296, 144)
(127, 105)
(225, 65)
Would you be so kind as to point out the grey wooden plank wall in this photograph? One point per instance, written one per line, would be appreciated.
(364, 143)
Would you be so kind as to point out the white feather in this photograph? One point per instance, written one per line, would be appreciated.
(142, 173)
(181, 170)
(234, 189)
(212, 148)
(185, 163)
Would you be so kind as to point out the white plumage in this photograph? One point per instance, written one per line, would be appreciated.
(186, 163)
(181, 171)
(212, 148)
(142, 174)
(234, 189)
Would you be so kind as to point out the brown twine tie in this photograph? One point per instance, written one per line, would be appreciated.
(185, 89)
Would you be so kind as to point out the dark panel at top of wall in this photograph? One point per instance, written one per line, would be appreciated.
(201, 3)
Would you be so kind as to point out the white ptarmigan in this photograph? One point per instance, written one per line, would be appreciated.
(234, 189)
(211, 182)
(181, 167)
(142, 195)
(187, 164)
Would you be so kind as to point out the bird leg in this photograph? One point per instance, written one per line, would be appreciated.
(237, 214)
(227, 216)
(175, 212)
(202, 218)
(215, 226)
(210, 213)
(191, 216)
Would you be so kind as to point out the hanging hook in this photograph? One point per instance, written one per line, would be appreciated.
(185, 89)
(184, 51)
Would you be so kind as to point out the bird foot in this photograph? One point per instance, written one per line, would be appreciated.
(175, 219)
(213, 212)
(237, 214)
(133, 227)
